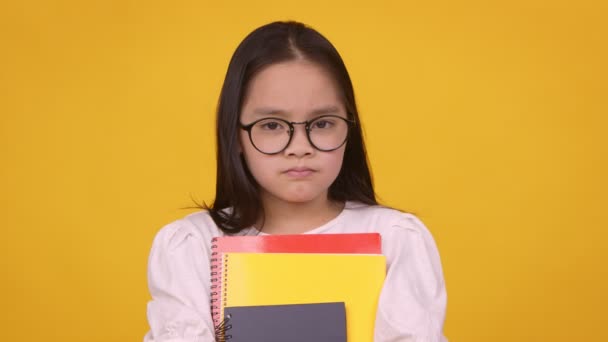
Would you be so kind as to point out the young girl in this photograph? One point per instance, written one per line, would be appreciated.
(291, 160)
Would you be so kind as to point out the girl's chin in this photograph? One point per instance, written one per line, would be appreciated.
(298, 198)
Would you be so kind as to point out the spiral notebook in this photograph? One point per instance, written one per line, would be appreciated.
(318, 322)
(252, 279)
(364, 243)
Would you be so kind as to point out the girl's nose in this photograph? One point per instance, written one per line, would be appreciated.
(299, 145)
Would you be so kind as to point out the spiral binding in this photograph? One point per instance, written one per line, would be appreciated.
(218, 268)
(220, 330)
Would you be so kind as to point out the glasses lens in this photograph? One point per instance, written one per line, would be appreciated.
(270, 135)
(328, 132)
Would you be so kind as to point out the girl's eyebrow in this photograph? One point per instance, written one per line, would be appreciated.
(316, 112)
(268, 111)
(325, 110)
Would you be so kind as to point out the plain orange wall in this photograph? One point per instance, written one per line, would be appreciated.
(486, 119)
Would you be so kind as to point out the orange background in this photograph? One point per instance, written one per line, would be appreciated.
(486, 119)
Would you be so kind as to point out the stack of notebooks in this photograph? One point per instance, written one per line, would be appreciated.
(305, 287)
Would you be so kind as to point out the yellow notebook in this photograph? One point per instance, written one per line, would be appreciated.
(292, 278)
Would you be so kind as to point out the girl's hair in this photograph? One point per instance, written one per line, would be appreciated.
(237, 202)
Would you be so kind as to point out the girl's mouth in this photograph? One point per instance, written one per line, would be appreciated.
(299, 172)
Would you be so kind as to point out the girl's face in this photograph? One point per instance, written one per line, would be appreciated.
(296, 91)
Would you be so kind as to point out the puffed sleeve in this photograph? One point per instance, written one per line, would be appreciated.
(412, 303)
(178, 280)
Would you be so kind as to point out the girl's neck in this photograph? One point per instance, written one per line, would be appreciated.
(282, 217)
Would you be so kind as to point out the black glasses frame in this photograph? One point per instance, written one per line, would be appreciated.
(292, 128)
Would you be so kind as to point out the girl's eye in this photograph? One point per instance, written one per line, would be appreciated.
(271, 125)
(322, 124)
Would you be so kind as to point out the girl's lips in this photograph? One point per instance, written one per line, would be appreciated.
(299, 172)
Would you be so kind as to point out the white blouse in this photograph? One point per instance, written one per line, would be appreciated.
(412, 303)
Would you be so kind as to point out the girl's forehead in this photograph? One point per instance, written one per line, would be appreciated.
(292, 87)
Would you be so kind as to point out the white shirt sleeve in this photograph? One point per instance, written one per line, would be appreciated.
(178, 280)
(412, 303)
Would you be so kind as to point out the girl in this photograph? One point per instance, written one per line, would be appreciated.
(291, 160)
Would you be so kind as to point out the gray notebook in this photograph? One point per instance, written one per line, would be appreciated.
(319, 322)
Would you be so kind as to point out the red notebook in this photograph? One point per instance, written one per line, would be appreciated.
(360, 243)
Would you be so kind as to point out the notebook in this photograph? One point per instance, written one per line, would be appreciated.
(318, 322)
(368, 243)
(297, 278)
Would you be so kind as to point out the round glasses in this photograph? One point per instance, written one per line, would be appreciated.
(272, 135)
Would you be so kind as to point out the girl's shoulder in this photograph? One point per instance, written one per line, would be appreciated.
(383, 217)
(196, 227)
(403, 234)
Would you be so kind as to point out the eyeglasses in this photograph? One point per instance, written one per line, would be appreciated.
(272, 135)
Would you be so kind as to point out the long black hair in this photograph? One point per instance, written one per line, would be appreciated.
(237, 203)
